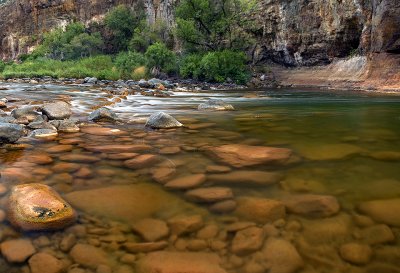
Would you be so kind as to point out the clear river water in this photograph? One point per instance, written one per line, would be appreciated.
(347, 146)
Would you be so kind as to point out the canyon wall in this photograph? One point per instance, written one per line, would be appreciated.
(291, 33)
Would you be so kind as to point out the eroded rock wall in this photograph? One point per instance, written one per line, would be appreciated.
(314, 32)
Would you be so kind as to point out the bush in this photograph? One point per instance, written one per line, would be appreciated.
(219, 66)
(2, 66)
(127, 62)
(122, 22)
(139, 73)
(160, 57)
(189, 66)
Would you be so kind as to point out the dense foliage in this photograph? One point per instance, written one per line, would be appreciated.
(69, 44)
(210, 25)
(126, 46)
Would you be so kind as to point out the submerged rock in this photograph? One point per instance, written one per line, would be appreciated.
(89, 256)
(209, 195)
(356, 253)
(215, 105)
(134, 202)
(57, 110)
(38, 207)
(17, 250)
(178, 262)
(281, 256)
(102, 113)
(45, 263)
(10, 133)
(41, 125)
(246, 178)
(248, 240)
(383, 211)
(162, 120)
(260, 210)
(312, 205)
(151, 229)
(238, 155)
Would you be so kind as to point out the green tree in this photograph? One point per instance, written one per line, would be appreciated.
(122, 22)
(127, 62)
(209, 25)
(85, 45)
(161, 58)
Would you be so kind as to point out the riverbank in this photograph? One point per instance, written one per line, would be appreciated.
(377, 72)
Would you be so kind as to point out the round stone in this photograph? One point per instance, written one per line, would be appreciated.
(38, 207)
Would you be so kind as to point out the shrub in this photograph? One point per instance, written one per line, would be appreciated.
(219, 66)
(160, 57)
(127, 62)
(139, 73)
(2, 66)
(189, 66)
(122, 22)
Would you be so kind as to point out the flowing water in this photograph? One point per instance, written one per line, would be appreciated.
(348, 144)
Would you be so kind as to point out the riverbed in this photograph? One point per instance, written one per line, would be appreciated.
(331, 199)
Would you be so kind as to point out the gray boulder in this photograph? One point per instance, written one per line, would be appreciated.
(7, 119)
(162, 120)
(57, 110)
(144, 84)
(66, 125)
(91, 80)
(10, 133)
(26, 111)
(102, 113)
(215, 105)
(43, 134)
(40, 125)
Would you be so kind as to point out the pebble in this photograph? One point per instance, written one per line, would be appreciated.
(281, 256)
(145, 247)
(260, 210)
(170, 150)
(142, 161)
(151, 229)
(217, 169)
(89, 256)
(79, 158)
(247, 241)
(356, 253)
(65, 167)
(225, 206)
(207, 232)
(67, 242)
(45, 263)
(186, 182)
(246, 178)
(18, 250)
(312, 205)
(60, 149)
(209, 195)
(180, 225)
(377, 234)
(196, 245)
(163, 174)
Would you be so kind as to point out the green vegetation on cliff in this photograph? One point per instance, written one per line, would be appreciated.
(125, 46)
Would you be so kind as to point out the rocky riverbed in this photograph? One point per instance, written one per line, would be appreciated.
(153, 178)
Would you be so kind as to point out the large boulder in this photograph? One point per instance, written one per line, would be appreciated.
(179, 262)
(57, 110)
(162, 120)
(102, 113)
(215, 105)
(66, 125)
(10, 133)
(239, 155)
(38, 207)
(43, 134)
